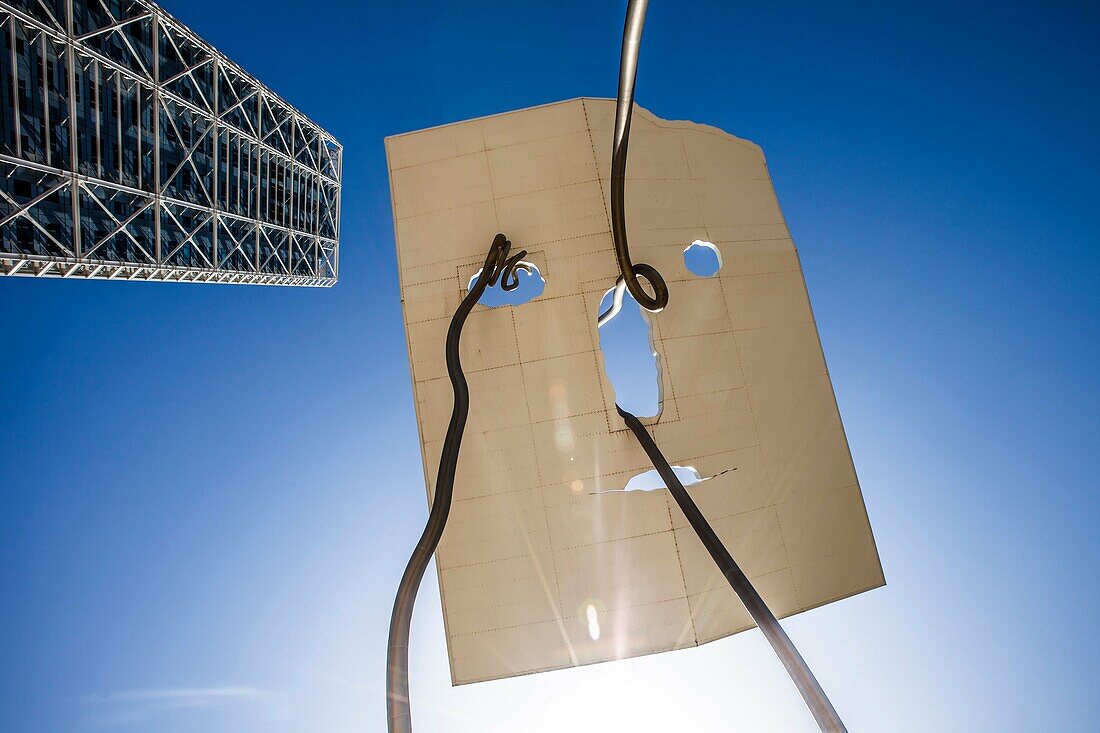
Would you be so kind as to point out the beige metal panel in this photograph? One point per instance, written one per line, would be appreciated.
(551, 215)
(754, 538)
(716, 612)
(578, 519)
(552, 327)
(701, 308)
(584, 448)
(438, 143)
(468, 614)
(442, 185)
(626, 573)
(766, 299)
(825, 454)
(542, 164)
(497, 347)
(495, 527)
(780, 353)
(755, 257)
(499, 461)
(529, 125)
(428, 301)
(702, 365)
(540, 567)
(733, 492)
(562, 387)
(507, 650)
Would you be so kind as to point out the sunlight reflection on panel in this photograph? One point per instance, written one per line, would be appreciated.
(593, 622)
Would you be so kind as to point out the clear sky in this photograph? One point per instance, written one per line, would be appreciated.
(208, 493)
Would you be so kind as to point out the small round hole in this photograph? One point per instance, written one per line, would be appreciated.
(703, 259)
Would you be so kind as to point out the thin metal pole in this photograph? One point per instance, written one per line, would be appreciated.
(497, 265)
(822, 710)
(624, 109)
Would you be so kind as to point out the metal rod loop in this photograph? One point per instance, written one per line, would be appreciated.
(624, 109)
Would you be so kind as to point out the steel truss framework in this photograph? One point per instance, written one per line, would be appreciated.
(131, 149)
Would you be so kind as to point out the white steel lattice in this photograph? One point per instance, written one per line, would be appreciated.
(131, 149)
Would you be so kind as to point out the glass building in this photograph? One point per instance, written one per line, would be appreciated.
(131, 149)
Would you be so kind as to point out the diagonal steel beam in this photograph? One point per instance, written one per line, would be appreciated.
(190, 237)
(22, 210)
(117, 25)
(120, 225)
(168, 35)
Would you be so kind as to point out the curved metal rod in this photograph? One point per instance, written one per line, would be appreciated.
(497, 265)
(822, 710)
(624, 109)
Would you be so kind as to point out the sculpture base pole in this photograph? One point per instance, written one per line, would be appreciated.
(823, 711)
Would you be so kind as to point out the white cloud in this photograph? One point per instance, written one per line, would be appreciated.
(193, 695)
(129, 708)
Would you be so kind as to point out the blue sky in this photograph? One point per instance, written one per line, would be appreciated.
(208, 493)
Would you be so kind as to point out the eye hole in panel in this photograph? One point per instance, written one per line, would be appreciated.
(702, 259)
(531, 285)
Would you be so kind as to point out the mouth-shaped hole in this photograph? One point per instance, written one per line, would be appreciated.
(651, 480)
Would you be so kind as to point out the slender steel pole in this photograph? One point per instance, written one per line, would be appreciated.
(822, 710)
(497, 265)
(624, 109)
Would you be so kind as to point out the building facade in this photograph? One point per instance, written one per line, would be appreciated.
(132, 149)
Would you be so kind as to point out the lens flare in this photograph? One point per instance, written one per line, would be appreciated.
(593, 617)
(563, 438)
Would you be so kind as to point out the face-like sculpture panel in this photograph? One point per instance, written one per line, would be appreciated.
(541, 566)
